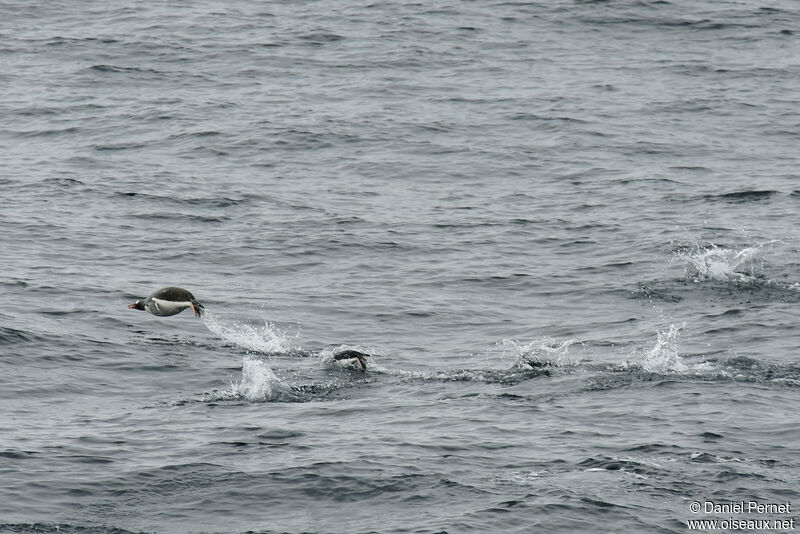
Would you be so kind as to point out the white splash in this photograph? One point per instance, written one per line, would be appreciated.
(326, 355)
(723, 264)
(540, 352)
(663, 357)
(268, 339)
(259, 383)
(524, 478)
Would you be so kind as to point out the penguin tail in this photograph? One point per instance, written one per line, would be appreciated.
(197, 308)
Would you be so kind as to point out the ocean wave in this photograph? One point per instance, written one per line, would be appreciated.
(10, 335)
(537, 358)
(119, 69)
(61, 528)
(755, 195)
(207, 202)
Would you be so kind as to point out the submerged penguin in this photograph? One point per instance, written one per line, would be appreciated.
(351, 359)
(168, 301)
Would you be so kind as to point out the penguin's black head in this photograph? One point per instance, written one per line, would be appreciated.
(138, 305)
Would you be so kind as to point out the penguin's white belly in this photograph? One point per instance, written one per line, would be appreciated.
(165, 308)
(348, 363)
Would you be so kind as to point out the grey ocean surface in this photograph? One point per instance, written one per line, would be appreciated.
(566, 232)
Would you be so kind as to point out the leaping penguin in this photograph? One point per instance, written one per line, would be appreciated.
(168, 301)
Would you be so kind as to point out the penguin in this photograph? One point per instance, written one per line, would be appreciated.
(168, 301)
(351, 359)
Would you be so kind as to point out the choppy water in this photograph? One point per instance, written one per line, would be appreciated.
(566, 232)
